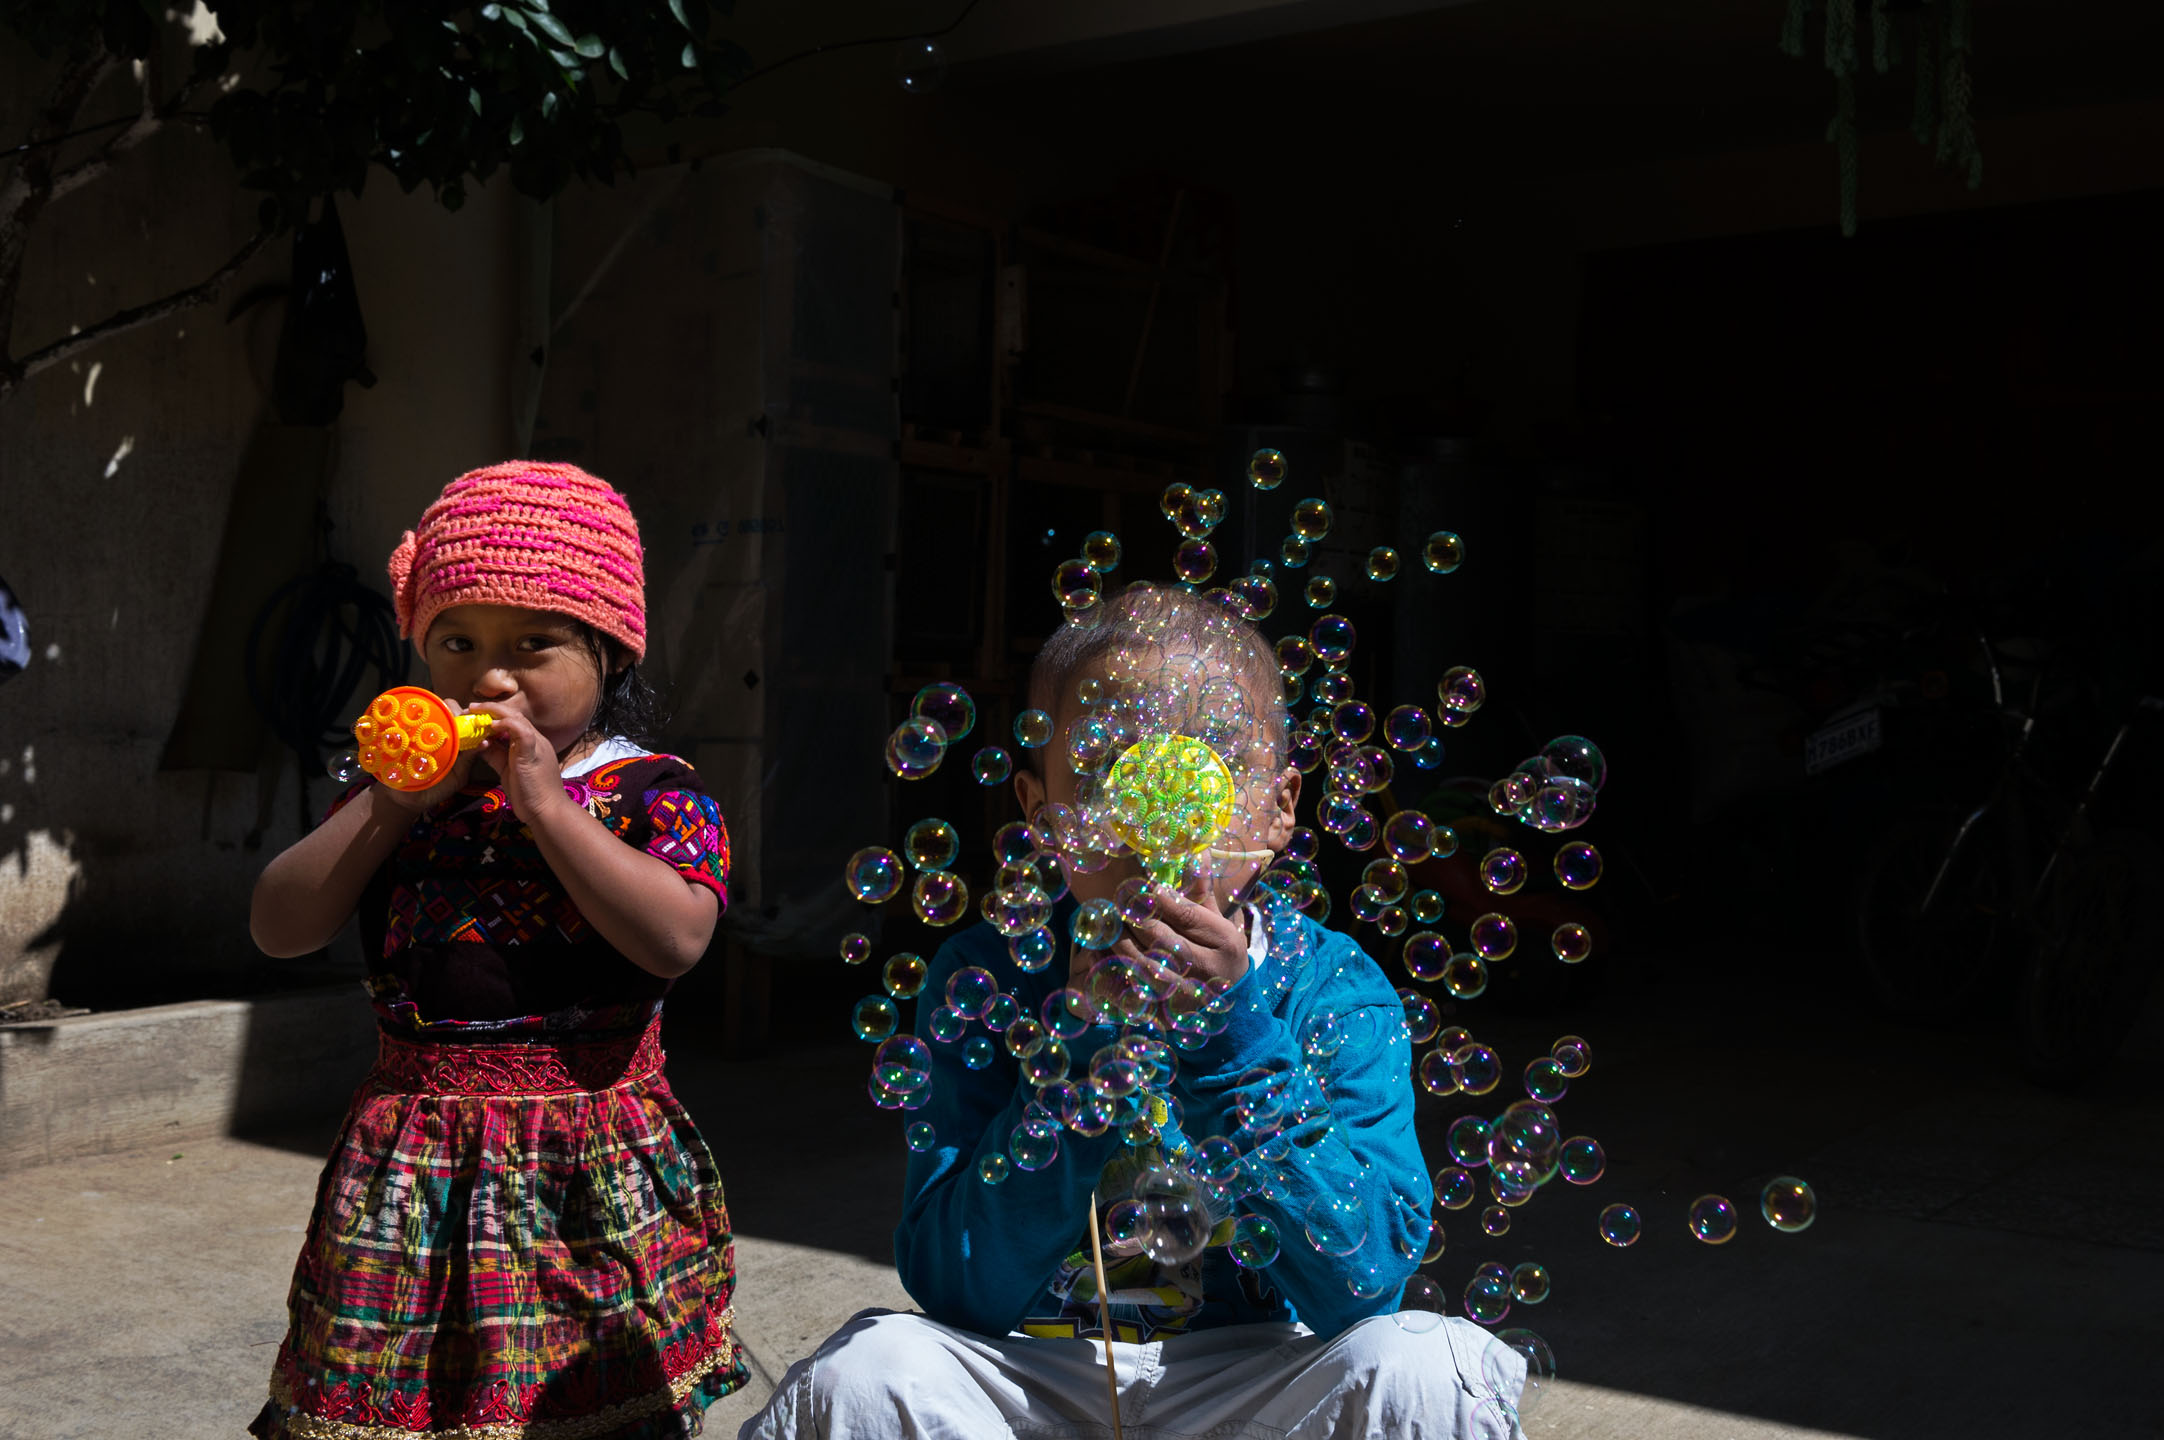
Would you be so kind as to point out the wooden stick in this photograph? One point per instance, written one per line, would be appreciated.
(1104, 1318)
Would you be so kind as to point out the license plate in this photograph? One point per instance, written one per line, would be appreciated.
(1845, 739)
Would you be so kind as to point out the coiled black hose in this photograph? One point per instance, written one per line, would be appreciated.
(308, 648)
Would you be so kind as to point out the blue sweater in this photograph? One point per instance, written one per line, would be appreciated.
(985, 1257)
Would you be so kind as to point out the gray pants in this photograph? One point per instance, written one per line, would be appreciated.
(1415, 1376)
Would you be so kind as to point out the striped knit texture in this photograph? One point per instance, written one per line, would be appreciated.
(530, 533)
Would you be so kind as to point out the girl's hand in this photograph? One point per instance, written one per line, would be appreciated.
(421, 802)
(525, 763)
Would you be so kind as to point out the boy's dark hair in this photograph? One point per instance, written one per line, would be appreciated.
(1162, 616)
(629, 706)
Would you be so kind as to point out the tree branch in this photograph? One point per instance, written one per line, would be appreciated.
(146, 121)
(122, 321)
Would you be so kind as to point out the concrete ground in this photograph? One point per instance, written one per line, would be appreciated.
(1988, 1261)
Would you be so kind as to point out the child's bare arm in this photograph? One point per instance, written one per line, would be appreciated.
(640, 904)
(305, 895)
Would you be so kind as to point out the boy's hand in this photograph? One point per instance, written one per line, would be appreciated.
(525, 763)
(1213, 944)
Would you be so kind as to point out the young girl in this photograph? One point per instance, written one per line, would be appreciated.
(520, 1235)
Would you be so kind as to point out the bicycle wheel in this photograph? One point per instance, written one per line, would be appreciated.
(1933, 966)
(2099, 947)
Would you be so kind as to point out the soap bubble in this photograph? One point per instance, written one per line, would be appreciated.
(1788, 1204)
(1495, 936)
(904, 976)
(1101, 551)
(1577, 865)
(903, 1062)
(1067, 1013)
(1311, 519)
(1295, 655)
(1387, 877)
(1574, 757)
(1503, 870)
(1266, 468)
(1293, 552)
(1465, 975)
(1467, 1138)
(1324, 1036)
(1076, 586)
(1321, 592)
(1529, 1283)
(1333, 637)
(1425, 955)
(1495, 1222)
(949, 705)
(1559, 804)
(970, 989)
(1487, 1297)
(1582, 1161)
(1032, 729)
(1572, 942)
(920, 66)
(1435, 1075)
(1421, 1301)
(1257, 596)
(1172, 498)
(1455, 1187)
(1024, 1038)
(921, 1136)
(1254, 1242)
(1573, 1055)
(1479, 1068)
(1033, 951)
(1178, 1215)
(1092, 743)
(1421, 1020)
(1462, 690)
(1195, 561)
(1445, 842)
(991, 766)
(1620, 1225)
(1410, 836)
(1018, 909)
(1096, 925)
(344, 768)
(939, 898)
(1426, 905)
(916, 747)
(856, 949)
(1444, 552)
(1713, 1219)
(874, 1018)
(1544, 1081)
(932, 844)
(993, 1169)
(945, 1026)
(1353, 721)
(1407, 728)
(1382, 563)
(1336, 1223)
(1539, 1368)
(1334, 687)
(873, 875)
(1034, 1143)
(978, 1051)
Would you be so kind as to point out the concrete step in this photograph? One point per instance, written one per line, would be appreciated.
(98, 1084)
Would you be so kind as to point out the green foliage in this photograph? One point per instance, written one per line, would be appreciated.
(1937, 32)
(438, 94)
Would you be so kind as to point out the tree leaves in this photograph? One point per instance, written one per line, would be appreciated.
(440, 96)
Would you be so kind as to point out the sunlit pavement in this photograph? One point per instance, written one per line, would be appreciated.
(1986, 1262)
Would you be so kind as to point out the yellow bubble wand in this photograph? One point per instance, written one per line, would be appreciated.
(1169, 797)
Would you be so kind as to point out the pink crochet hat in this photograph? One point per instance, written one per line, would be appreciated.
(528, 533)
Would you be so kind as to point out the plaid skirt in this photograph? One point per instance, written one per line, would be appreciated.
(522, 1239)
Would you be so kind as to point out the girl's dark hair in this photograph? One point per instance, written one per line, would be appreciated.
(630, 706)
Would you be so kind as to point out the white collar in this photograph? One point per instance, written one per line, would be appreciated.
(1258, 938)
(608, 752)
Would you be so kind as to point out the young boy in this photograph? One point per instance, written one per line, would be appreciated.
(1304, 1344)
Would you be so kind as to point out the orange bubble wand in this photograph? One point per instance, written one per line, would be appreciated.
(409, 738)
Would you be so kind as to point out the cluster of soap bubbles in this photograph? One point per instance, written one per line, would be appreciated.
(1176, 731)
